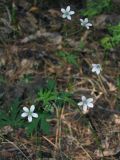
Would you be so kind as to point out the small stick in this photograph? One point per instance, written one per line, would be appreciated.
(108, 110)
(16, 148)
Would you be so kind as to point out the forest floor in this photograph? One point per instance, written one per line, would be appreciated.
(37, 45)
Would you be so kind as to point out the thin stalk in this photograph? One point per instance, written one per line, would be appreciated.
(94, 131)
(101, 83)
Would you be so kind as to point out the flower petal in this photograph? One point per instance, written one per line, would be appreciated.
(71, 12)
(62, 10)
(83, 98)
(68, 8)
(80, 104)
(93, 65)
(90, 105)
(82, 24)
(85, 108)
(87, 27)
(86, 20)
(69, 17)
(29, 118)
(35, 115)
(32, 108)
(25, 109)
(24, 114)
(84, 104)
(90, 100)
(89, 24)
(81, 20)
(97, 71)
(64, 16)
(93, 69)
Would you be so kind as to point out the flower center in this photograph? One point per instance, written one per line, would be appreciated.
(85, 103)
(29, 113)
(98, 66)
(67, 13)
(85, 23)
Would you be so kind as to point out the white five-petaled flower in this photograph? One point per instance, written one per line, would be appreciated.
(85, 23)
(67, 13)
(96, 68)
(86, 103)
(29, 113)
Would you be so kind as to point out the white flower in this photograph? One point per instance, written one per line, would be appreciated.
(29, 113)
(85, 23)
(86, 103)
(96, 68)
(67, 13)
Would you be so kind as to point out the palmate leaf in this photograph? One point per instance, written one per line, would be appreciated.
(39, 124)
(96, 7)
(70, 58)
(46, 96)
(63, 98)
(14, 109)
(12, 117)
(33, 126)
(4, 119)
(45, 127)
(51, 84)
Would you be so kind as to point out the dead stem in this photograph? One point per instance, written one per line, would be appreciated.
(7, 141)
(86, 152)
(50, 142)
(102, 85)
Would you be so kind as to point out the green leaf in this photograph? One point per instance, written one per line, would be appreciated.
(14, 109)
(45, 127)
(51, 84)
(95, 7)
(11, 118)
(112, 39)
(106, 42)
(38, 124)
(70, 58)
(33, 126)
(4, 119)
(46, 96)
